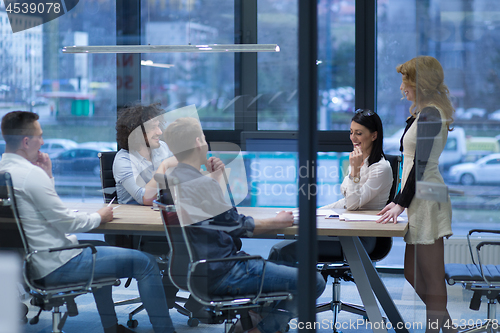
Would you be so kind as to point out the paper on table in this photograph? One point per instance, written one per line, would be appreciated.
(365, 217)
(319, 212)
(328, 213)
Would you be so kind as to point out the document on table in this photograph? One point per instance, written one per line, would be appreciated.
(328, 213)
(366, 217)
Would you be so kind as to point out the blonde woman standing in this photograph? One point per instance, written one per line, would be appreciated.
(429, 221)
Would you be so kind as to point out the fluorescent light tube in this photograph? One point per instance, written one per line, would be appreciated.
(172, 48)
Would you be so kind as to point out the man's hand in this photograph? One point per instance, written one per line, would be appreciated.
(283, 219)
(390, 212)
(166, 164)
(214, 164)
(106, 214)
(45, 163)
(215, 167)
(355, 160)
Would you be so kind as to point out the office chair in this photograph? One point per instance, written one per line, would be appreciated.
(188, 273)
(45, 297)
(150, 244)
(336, 266)
(108, 183)
(483, 280)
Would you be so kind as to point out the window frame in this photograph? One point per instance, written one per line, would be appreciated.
(128, 31)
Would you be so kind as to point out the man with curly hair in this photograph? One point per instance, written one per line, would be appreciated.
(142, 154)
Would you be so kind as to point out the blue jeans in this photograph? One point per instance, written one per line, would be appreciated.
(119, 263)
(244, 278)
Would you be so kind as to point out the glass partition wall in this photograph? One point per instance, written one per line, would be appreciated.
(463, 37)
(76, 96)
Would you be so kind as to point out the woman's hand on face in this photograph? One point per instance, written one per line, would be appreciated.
(390, 212)
(355, 160)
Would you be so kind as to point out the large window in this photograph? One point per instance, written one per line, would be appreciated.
(278, 74)
(180, 79)
(336, 46)
(74, 95)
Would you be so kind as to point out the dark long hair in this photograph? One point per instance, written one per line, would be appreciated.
(371, 120)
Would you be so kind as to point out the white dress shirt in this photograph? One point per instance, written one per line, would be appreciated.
(371, 192)
(45, 218)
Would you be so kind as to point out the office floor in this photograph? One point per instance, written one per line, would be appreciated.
(409, 306)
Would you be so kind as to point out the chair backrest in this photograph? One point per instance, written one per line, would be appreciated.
(395, 161)
(106, 159)
(182, 255)
(179, 259)
(12, 234)
(179, 254)
(383, 246)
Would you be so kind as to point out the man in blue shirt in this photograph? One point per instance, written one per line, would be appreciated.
(202, 198)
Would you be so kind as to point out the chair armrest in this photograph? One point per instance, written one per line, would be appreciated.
(75, 246)
(242, 258)
(478, 250)
(472, 231)
(491, 231)
(195, 264)
(58, 249)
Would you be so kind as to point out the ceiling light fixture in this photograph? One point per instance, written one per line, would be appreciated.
(155, 64)
(172, 48)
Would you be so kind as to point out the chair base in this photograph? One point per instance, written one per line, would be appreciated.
(57, 321)
(193, 321)
(486, 326)
(336, 305)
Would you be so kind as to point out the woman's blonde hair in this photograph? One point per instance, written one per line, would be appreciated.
(425, 75)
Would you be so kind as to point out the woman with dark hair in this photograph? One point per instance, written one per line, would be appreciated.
(369, 182)
(429, 221)
(367, 185)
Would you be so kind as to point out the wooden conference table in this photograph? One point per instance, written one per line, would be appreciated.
(143, 220)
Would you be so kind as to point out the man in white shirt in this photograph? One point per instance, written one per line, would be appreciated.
(47, 221)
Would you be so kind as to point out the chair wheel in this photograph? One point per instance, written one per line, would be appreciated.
(24, 309)
(132, 323)
(193, 322)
